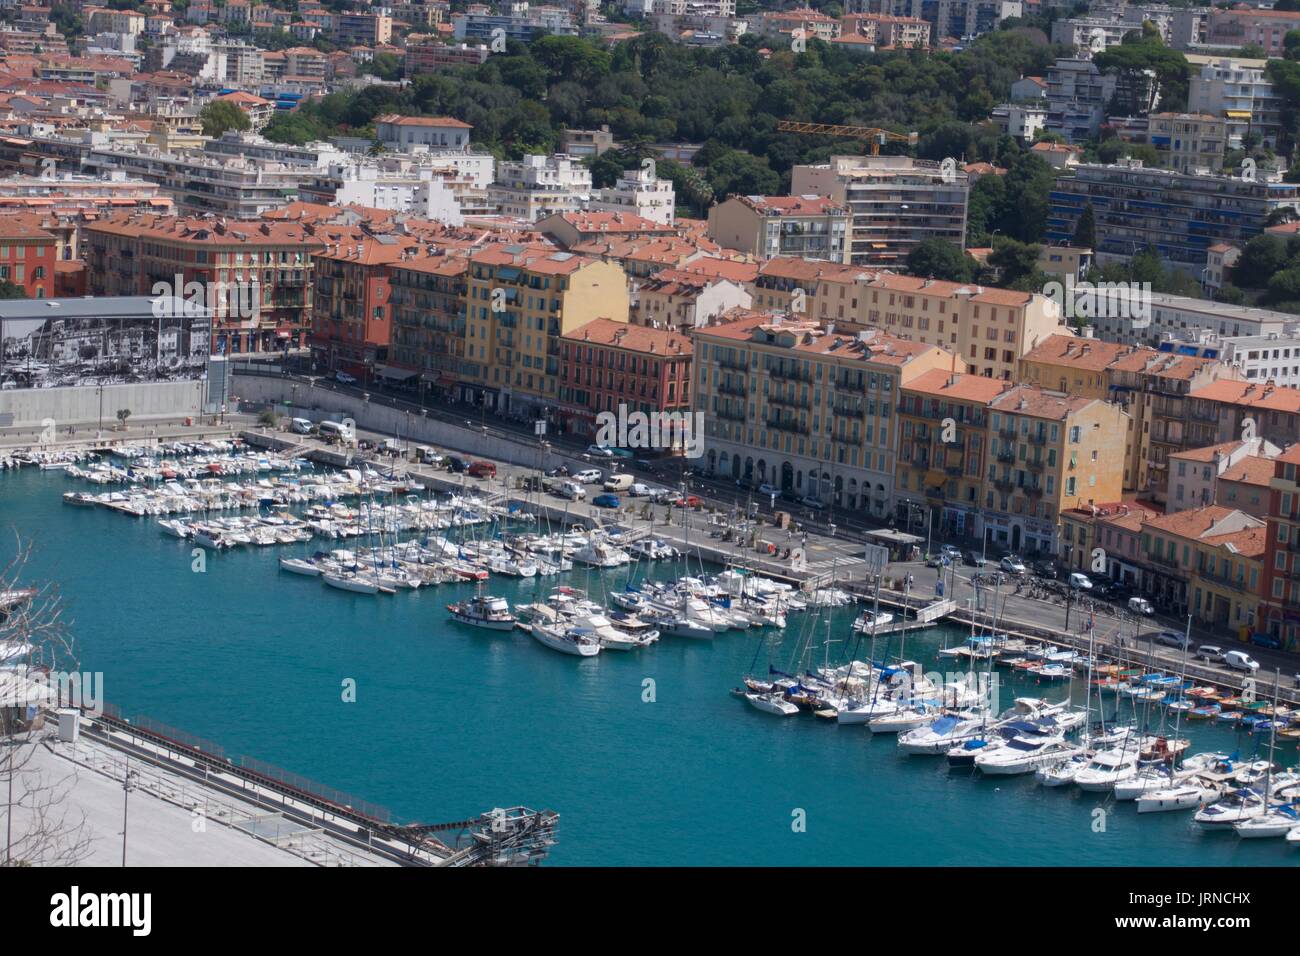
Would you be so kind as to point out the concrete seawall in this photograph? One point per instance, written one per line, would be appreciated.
(317, 403)
(81, 405)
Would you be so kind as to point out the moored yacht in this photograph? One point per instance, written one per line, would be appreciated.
(483, 610)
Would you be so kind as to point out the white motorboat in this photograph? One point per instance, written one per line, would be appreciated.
(598, 554)
(868, 623)
(942, 735)
(1107, 768)
(1191, 794)
(612, 638)
(1062, 774)
(674, 625)
(580, 642)
(1023, 754)
(483, 610)
(300, 566)
(771, 703)
(1231, 809)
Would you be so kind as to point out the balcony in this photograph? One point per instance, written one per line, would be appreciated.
(1006, 454)
(1007, 434)
(1005, 485)
(787, 425)
(789, 373)
(731, 388)
(1033, 491)
(730, 412)
(849, 409)
(1035, 464)
(738, 365)
(789, 401)
(1037, 438)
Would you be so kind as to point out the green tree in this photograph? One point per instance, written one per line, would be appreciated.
(1016, 263)
(220, 115)
(11, 290)
(1085, 231)
(940, 259)
(1261, 258)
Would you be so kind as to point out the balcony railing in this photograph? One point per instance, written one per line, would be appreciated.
(787, 425)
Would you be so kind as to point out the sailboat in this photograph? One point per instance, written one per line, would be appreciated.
(1278, 820)
(567, 639)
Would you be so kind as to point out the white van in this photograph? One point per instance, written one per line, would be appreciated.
(1080, 582)
(301, 426)
(1241, 661)
(336, 431)
(571, 490)
(619, 482)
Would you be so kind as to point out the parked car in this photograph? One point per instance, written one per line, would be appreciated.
(345, 378)
(686, 501)
(660, 495)
(1266, 640)
(600, 451)
(619, 482)
(1172, 639)
(974, 559)
(559, 471)
(1080, 582)
(301, 426)
(588, 476)
(1241, 661)
(816, 504)
(1139, 605)
(1209, 652)
(791, 496)
(1045, 569)
(482, 469)
(638, 490)
(768, 490)
(623, 453)
(951, 552)
(939, 560)
(605, 501)
(456, 464)
(1012, 564)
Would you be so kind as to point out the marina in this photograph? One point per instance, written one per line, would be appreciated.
(410, 652)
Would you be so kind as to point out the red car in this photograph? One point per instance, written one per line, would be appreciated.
(482, 469)
(690, 501)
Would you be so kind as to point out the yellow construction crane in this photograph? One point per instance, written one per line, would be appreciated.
(877, 137)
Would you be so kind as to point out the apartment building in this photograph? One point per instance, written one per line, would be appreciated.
(352, 312)
(27, 255)
(896, 203)
(1279, 613)
(1078, 96)
(883, 30)
(571, 229)
(1049, 452)
(1178, 214)
(1195, 474)
(678, 299)
(609, 366)
(69, 200)
(943, 451)
(429, 132)
(805, 408)
(1228, 409)
(802, 227)
(1239, 92)
(362, 29)
(1151, 386)
(966, 19)
(1207, 562)
(427, 297)
(989, 328)
(638, 192)
(1251, 26)
(431, 55)
(522, 300)
(265, 265)
(1188, 142)
(538, 186)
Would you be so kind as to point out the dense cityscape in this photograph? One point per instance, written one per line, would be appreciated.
(925, 343)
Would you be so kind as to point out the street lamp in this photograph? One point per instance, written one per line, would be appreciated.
(128, 784)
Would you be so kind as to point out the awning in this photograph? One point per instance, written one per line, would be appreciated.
(394, 374)
(1237, 114)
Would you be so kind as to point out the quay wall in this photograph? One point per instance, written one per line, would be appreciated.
(81, 405)
(309, 401)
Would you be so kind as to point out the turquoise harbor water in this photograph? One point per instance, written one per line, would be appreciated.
(450, 721)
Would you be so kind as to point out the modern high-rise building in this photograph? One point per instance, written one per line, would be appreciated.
(896, 203)
(1178, 214)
